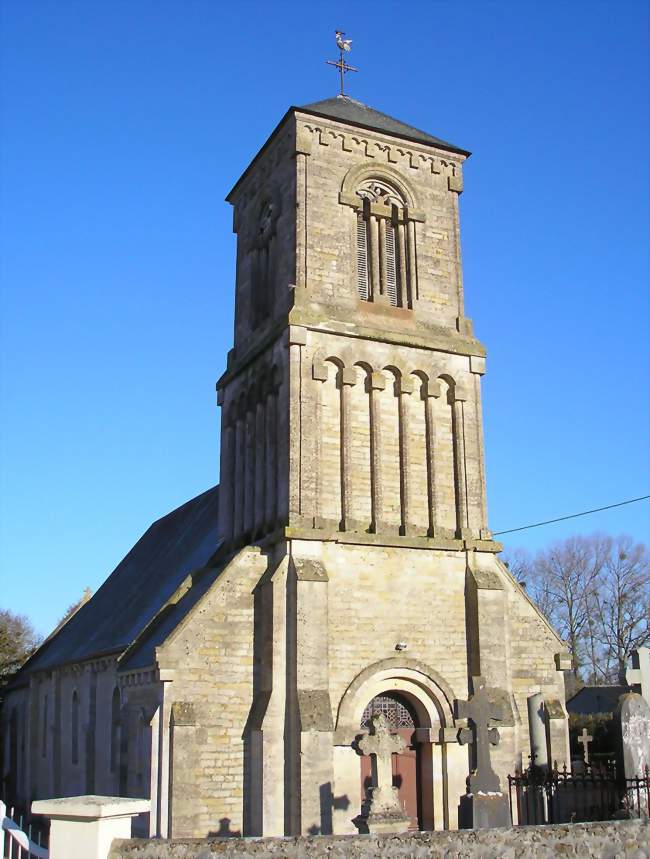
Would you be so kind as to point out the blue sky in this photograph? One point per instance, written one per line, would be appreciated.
(125, 124)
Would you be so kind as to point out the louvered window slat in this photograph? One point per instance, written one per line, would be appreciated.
(391, 265)
(362, 259)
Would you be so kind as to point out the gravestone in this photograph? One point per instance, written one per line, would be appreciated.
(382, 811)
(638, 675)
(485, 805)
(537, 731)
(633, 716)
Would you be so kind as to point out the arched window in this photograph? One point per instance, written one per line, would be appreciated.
(395, 707)
(74, 728)
(385, 242)
(262, 260)
(363, 275)
(115, 730)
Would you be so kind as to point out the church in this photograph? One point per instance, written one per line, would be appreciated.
(230, 667)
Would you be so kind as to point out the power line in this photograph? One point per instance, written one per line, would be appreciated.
(572, 516)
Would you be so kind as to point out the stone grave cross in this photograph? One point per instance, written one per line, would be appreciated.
(480, 710)
(638, 676)
(584, 739)
(382, 744)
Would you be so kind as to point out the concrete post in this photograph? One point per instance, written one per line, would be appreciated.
(83, 827)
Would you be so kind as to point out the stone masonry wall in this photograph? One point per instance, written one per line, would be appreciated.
(400, 426)
(209, 659)
(64, 732)
(432, 179)
(620, 840)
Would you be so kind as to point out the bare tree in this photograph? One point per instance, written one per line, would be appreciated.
(622, 605)
(596, 592)
(563, 579)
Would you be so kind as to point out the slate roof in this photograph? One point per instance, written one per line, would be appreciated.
(595, 699)
(181, 542)
(347, 109)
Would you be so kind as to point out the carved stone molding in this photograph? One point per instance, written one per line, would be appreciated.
(388, 153)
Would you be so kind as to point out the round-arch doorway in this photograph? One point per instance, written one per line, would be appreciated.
(413, 789)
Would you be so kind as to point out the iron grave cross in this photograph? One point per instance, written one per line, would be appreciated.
(480, 710)
(344, 46)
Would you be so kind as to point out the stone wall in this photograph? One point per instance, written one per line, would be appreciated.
(209, 660)
(73, 726)
(629, 839)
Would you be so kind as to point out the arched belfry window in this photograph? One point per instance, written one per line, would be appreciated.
(385, 242)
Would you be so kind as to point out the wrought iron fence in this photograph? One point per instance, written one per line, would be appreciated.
(554, 795)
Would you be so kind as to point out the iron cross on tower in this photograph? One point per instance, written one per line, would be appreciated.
(344, 45)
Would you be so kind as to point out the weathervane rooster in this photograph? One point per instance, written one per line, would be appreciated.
(344, 46)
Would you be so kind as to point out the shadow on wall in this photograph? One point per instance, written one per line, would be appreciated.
(224, 830)
(328, 802)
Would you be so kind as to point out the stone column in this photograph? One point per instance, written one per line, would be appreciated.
(382, 255)
(303, 151)
(431, 391)
(405, 389)
(227, 479)
(272, 789)
(478, 368)
(319, 374)
(239, 473)
(462, 524)
(412, 267)
(271, 460)
(260, 466)
(297, 339)
(348, 377)
(312, 685)
(376, 383)
(154, 772)
(249, 457)
(374, 252)
(301, 219)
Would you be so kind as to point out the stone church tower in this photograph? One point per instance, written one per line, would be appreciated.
(353, 571)
(352, 456)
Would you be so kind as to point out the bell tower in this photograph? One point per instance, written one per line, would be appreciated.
(351, 401)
